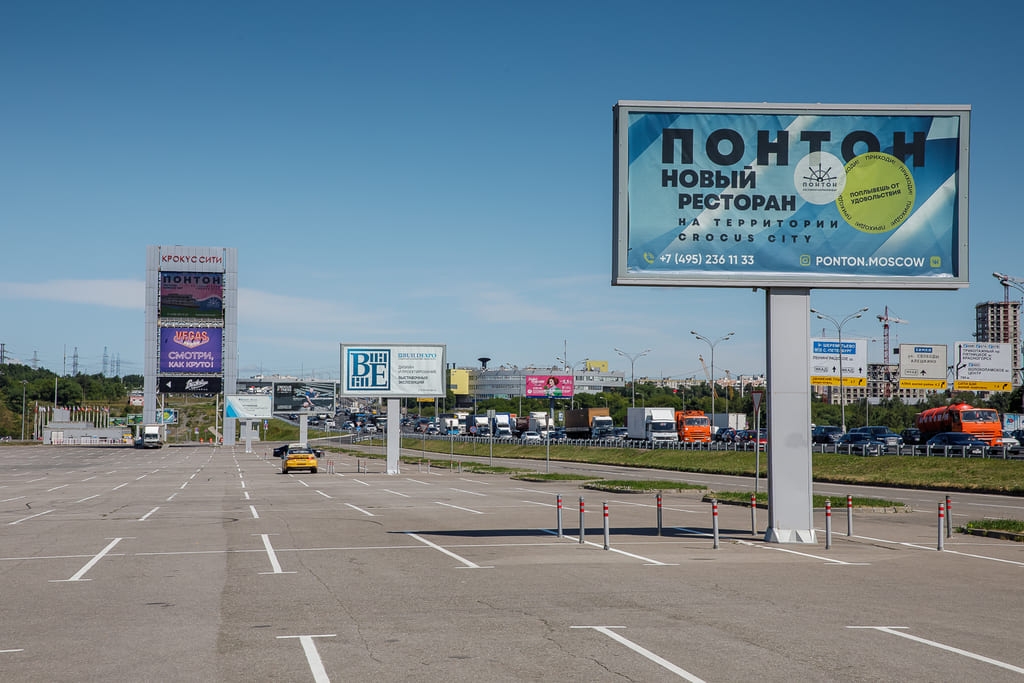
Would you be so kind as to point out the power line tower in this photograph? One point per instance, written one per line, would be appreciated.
(74, 363)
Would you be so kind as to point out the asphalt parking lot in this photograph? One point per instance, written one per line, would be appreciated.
(208, 564)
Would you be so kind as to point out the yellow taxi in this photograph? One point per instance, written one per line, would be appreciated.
(299, 456)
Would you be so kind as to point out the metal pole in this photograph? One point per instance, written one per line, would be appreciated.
(559, 499)
(23, 383)
(714, 520)
(828, 524)
(607, 545)
(849, 515)
(583, 529)
(949, 517)
(942, 523)
(659, 514)
(753, 513)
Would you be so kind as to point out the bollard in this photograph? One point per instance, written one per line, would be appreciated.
(949, 517)
(460, 467)
(828, 524)
(849, 515)
(714, 521)
(428, 467)
(583, 529)
(606, 540)
(659, 514)
(419, 466)
(942, 523)
(559, 500)
(753, 513)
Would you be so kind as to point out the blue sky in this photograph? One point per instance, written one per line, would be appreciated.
(439, 172)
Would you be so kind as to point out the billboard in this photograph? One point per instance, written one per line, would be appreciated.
(304, 397)
(191, 295)
(248, 406)
(982, 366)
(550, 386)
(828, 356)
(922, 366)
(190, 349)
(393, 370)
(761, 195)
(189, 385)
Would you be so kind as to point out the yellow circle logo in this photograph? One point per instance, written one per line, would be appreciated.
(879, 193)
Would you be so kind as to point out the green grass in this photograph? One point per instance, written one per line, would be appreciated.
(1012, 525)
(641, 486)
(980, 475)
(553, 476)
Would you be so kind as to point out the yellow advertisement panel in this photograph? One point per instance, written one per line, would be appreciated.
(830, 381)
(967, 385)
(458, 382)
(597, 366)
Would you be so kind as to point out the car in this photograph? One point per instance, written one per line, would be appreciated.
(912, 436)
(433, 430)
(882, 433)
(557, 434)
(299, 456)
(621, 433)
(1007, 442)
(530, 436)
(960, 443)
(750, 436)
(860, 443)
(280, 451)
(826, 434)
(724, 435)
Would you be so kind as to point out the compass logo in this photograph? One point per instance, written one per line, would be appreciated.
(819, 177)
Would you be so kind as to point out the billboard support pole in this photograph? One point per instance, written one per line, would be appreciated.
(394, 434)
(790, 502)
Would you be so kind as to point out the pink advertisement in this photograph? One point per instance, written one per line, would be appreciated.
(544, 386)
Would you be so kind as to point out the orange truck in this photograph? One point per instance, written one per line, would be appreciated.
(982, 423)
(694, 426)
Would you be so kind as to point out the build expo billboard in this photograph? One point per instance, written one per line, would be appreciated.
(845, 196)
(393, 370)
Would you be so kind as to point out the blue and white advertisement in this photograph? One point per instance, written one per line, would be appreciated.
(791, 195)
(393, 370)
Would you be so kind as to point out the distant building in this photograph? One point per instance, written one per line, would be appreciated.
(998, 322)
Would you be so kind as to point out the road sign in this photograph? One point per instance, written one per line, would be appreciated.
(825, 357)
(982, 366)
(922, 366)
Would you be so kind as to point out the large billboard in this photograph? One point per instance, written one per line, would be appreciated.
(191, 295)
(550, 386)
(761, 195)
(982, 366)
(304, 397)
(191, 349)
(393, 370)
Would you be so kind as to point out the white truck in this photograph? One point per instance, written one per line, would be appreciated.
(152, 436)
(503, 426)
(540, 421)
(652, 424)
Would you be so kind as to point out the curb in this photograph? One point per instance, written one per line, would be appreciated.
(994, 533)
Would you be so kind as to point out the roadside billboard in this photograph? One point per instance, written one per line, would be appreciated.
(982, 366)
(923, 366)
(191, 295)
(800, 195)
(393, 370)
(191, 349)
(304, 397)
(548, 386)
(828, 356)
(248, 407)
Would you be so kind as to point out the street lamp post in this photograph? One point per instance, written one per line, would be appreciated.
(839, 329)
(632, 368)
(23, 383)
(712, 345)
(571, 369)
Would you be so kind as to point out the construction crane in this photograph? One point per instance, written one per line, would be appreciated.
(707, 374)
(1006, 281)
(885, 320)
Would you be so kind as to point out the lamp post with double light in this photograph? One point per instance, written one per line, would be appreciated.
(839, 329)
(712, 344)
(632, 368)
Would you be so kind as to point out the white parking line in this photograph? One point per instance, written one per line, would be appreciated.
(947, 551)
(449, 505)
(470, 565)
(274, 564)
(472, 493)
(660, 661)
(19, 521)
(56, 487)
(403, 495)
(794, 552)
(119, 486)
(89, 565)
(88, 498)
(368, 514)
(145, 516)
(316, 666)
(252, 509)
(324, 494)
(613, 550)
(981, 658)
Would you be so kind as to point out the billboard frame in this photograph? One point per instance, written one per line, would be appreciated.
(430, 359)
(958, 271)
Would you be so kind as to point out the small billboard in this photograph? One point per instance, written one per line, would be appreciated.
(832, 361)
(923, 366)
(169, 384)
(982, 366)
(550, 386)
(249, 407)
(304, 397)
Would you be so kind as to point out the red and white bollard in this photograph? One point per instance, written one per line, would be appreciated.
(942, 523)
(828, 524)
(949, 517)
(659, 514)
(583, 529)
(753, 513)
(714, 521)
(849, 515)
(559, 515)
(607, 543)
